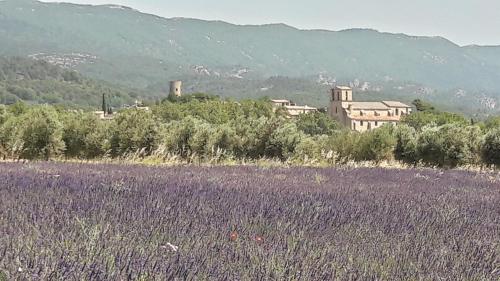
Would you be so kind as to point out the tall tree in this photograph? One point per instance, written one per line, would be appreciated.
(423, 106)
(104, 107)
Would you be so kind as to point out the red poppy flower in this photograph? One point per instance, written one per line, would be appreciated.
(233, 236)
(259, 239)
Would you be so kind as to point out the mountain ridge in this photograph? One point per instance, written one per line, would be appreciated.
(143, 50)
(129, 8)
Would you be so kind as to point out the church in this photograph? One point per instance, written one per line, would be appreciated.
(364, 116)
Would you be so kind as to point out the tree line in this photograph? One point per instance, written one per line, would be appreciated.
(207, 129)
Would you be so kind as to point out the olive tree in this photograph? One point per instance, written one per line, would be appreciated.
(36, 134)
(448, 146)
(490, 148)
(133, 131)
(406, 144)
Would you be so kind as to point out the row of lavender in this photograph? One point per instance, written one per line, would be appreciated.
(110, 222)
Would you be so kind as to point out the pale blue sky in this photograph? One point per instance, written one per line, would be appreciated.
(462, 21)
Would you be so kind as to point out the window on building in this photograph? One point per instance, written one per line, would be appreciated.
(397, 111)
(338, 95)
(361, 123)
(376, 123)
(336, 110)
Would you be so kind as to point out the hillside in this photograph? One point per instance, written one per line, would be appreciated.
(38, 82)
(122, 45)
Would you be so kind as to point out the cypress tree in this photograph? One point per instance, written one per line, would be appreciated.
(104, 107)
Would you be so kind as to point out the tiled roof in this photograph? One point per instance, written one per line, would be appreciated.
(395, 104)
(368, 105)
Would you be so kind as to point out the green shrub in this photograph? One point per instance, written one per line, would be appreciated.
(4, 115)
(310, 148)
(491, 124)
(223, 137)
(345, 145)
(490, 149)
(420, 120)
(283, 141)
(198, 143)
(213, 111)
(174, 137)
(177, 136)
(133, 131)
(97, 142)
(474, 137)
(406, 144)
(316, 123)
(84, 135)
(36, 134)
(448, 146)
(18, 108)
(254, 135)
(377, 145)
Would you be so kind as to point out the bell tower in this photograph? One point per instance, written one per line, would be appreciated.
(341, 94)
(339, 100)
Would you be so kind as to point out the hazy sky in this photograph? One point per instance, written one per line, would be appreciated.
(462, 21)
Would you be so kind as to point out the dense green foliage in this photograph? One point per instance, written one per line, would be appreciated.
(317, 123)
(449, 145)
(215, 130)
(37, 133)
(491, 147)
(84, 135)
(427, 114)
(214, 111)
(36, 81)
(423, 106)
(133, 131)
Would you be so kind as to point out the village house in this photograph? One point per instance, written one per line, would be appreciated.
(292, 109)
(103, 115)
(139, 105)
(363, 116)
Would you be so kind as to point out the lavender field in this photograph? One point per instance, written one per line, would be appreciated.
(112, 222)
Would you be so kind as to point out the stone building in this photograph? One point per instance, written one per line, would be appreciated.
(363, 116)
(175, 89)
(292, 109)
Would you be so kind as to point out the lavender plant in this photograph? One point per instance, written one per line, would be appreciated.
(117, 222)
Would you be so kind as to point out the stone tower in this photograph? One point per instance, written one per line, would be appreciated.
(175, 89)
(339, 100)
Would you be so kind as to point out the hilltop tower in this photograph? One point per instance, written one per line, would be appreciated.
(175, 89)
